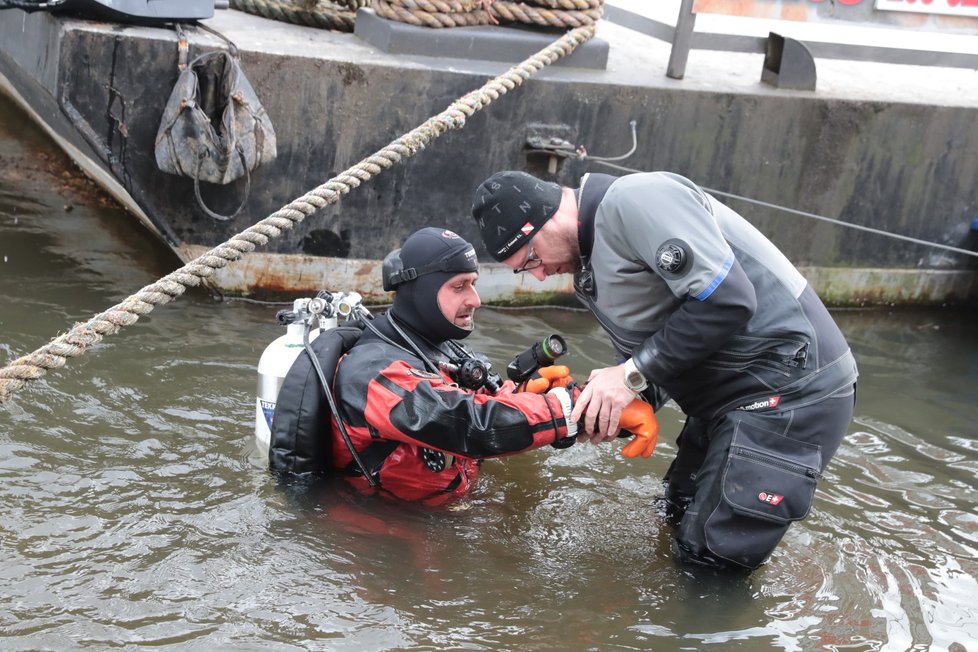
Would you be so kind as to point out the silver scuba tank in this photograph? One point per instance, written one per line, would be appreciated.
(314, 315)
(277, 359)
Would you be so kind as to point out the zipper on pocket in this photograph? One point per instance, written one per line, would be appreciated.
(798, 359)
(776, 462)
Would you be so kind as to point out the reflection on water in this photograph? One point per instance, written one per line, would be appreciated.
(137, 512)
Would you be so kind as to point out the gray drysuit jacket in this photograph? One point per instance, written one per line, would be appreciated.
(711, 312)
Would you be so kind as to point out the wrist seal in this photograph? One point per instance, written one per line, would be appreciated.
(565, 402)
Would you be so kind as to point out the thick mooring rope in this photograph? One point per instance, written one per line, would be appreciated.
(433, 14)
(458, 13)
(521, 12)
(82, 336)
(324, 15)
(340, 14)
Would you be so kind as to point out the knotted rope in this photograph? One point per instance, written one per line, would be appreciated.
(324, 15)
(82, 336)
(456, 13)
(340, 14)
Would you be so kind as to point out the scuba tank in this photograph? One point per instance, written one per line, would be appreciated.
(293, 433)
(277, 358)
(307, 320)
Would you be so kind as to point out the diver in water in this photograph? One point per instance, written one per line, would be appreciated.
(420, 409)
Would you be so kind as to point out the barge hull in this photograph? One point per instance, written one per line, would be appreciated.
(901, 159)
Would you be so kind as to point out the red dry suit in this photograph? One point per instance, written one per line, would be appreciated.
(419, 435)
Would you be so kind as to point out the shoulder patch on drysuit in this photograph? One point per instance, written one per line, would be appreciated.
(427, 375)
(674, 258)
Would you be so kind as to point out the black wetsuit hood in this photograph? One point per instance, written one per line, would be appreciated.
(427, 260)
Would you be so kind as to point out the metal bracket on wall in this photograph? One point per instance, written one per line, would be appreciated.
(549, 141)
(788, 64)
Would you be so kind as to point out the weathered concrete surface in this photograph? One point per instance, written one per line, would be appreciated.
(890, 149)
(840, 286)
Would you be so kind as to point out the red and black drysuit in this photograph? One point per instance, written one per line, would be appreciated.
(420, 435)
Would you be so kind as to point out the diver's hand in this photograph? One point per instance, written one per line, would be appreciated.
(549, 377)
(601, 404)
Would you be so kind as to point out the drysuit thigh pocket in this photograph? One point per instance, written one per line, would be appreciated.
(768, 482)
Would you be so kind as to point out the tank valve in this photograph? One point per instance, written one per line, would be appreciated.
(350, 304)
(317, 306)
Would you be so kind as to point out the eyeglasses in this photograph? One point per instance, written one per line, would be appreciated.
(532, 260)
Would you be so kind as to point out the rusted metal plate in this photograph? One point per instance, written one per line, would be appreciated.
(270, 275)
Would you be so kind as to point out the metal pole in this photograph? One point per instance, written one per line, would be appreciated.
(681, 40)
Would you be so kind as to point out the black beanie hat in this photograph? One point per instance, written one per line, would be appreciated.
(510, 207)
(417, 271)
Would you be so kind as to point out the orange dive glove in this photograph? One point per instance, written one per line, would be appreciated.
(550, 377)
(639, 418)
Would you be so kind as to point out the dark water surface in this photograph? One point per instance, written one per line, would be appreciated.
(136, 512)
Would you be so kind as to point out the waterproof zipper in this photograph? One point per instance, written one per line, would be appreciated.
(736, 357)
(801, 357)
(773, 461)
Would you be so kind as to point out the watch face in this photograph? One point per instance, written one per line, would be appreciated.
(635, 381)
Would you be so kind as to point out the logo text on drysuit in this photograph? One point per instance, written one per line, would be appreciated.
(761, 404)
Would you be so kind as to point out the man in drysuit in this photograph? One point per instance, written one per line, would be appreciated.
(702, 308)
(417, 415)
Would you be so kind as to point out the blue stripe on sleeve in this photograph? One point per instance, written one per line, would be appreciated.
(702, 296)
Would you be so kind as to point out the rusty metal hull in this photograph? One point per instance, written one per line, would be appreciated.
(884, 161)
(271, 275)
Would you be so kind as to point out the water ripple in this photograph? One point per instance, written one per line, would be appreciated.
(137, 512)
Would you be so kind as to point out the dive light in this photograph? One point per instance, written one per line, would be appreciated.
(541, 354)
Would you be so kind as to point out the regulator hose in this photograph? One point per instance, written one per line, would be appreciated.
(332, 406)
